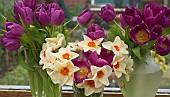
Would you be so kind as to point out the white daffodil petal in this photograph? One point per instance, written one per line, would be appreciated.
(104, 80)
(107, 45)
(89, 91)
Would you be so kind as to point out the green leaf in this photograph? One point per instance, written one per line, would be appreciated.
(4, 18)
(22, 61)
(10, 16)
(166, 31)
(137, 52)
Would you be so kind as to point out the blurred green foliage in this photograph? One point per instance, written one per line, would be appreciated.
(18, 76)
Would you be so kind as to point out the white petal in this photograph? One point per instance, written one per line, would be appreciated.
(89, 91)
(107, 45)
(97, 83)
(70, 80)
(86, 38)
(98, 50)
(118, 74)
(100, 89)
(98, 41)
(63, 79)
(104, 80)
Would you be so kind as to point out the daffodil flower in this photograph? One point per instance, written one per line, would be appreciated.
(118, 47)
(128, 68)
(75, 46)
(65, 54)
(89, 87)
(56, 43)
(119, 65)
(63, 73)
(92, 45)
(101, 75)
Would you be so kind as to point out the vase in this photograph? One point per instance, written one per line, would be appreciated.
(144, 81)
(80, 93)
(40, 83)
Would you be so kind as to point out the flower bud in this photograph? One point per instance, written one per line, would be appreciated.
(85, 17)
(107, 13)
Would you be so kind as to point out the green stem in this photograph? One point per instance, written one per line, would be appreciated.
(72, 30)
(119, 27)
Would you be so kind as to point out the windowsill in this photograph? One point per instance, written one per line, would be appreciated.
(24, 91)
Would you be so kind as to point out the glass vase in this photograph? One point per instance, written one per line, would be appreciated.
(80, 93)
(144, 81)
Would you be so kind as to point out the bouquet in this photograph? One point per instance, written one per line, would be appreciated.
(37, 31)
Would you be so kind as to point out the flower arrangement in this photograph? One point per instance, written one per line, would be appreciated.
(38, 33)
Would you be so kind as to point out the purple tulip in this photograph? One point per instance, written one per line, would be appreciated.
(162, 46)
(30, 3)
(53, 6)
(130, 17)
(95, 32)
(17, 6)
(153, 14)
(140, 34)
(57, 17)
(25, 12)
(42, 16)
(156, 32)
(104, 54)
(167, 15)
(85, 17)
(13, 29)
(82, 74)
(107, 13)
(10, 43)
(96, 60)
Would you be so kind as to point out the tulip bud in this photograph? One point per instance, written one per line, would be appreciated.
(107, 13)
(85, 17)
(162, 46)
(95, 32)
(57, 17)
(42, 17)
(15, 29)
(30, 3)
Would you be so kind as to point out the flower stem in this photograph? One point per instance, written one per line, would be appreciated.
(72, 30)
(119, 27)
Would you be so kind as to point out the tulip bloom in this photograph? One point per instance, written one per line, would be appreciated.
(95, 32)
(10, 43)
(107, 13)
(57, 17)
(42, 17)
(14, 29)
(130, 17)
(153, 14)
(140, 34)
(25, 12)
(162, 46)
(85, 17)
(84, 70)
(30, 3)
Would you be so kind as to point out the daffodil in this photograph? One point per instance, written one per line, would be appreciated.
(101, 75)
(56, 43)
(65, 54)
(89, 87)
(92, 45)
(75, 46)
(118, 47)
(63, 73)
(119, 65)
(128, 68)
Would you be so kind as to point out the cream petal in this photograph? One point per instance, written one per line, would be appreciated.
(80, 85)
(98, 41)
(98, 50)
(107, 45)
(118, 74)
(86, 38)
(88, 90)
(97, 83)
(94, 69)
(104, 80)
(70, 81)
(100, 89)
(74, 55)
(63, 79)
